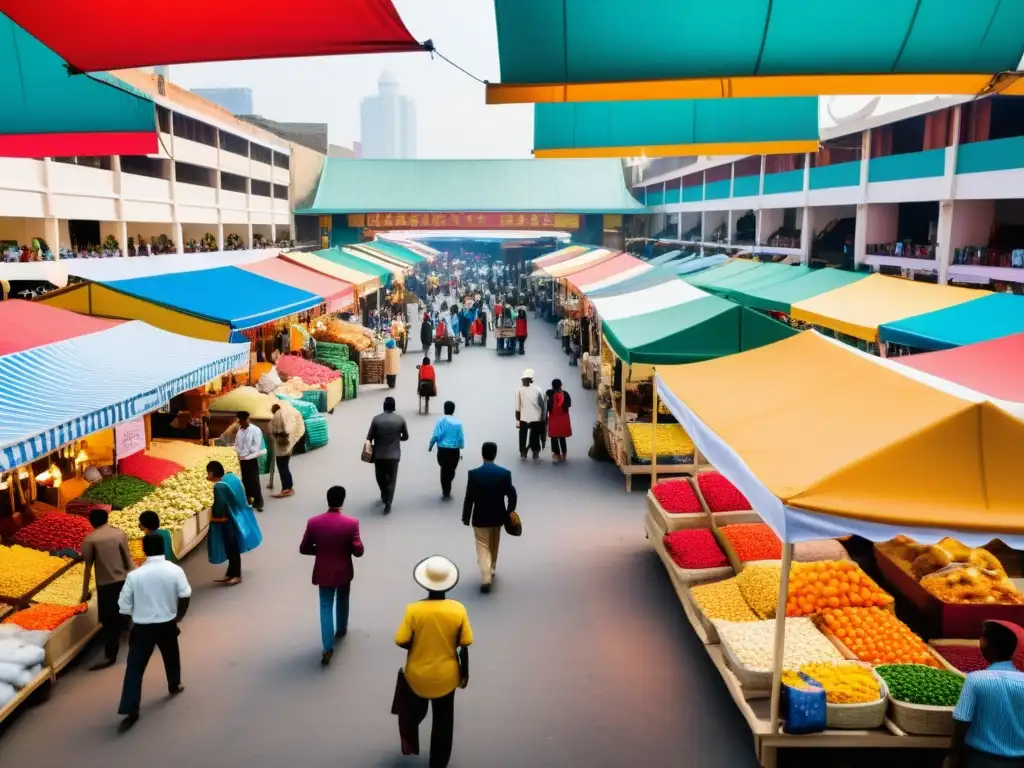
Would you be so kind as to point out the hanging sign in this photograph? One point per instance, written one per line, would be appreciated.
(130, 438)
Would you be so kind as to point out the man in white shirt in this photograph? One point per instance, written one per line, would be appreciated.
(249, 447)
(529, 415)
(156, 596)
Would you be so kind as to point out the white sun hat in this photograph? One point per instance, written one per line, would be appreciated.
(528, 374)
(436, 574)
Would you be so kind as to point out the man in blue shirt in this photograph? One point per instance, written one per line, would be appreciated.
(449, 439)
(988, 722)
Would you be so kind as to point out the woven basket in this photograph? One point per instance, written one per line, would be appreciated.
(749, 679)
(859, 717)
(920, 719)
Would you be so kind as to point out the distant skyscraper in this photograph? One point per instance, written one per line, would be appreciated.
(388, 122)
(237, 101)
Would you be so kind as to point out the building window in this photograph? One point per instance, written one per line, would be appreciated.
(140, 165)
(280, 161)
(102, 163)
(261, 188)
(163, 119)
(187, 173)
(236, 145)
(232, 183)
(260, 154)
(280, 192)
(194, 130)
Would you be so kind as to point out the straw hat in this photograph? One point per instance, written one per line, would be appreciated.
(436, 574)
(528, 374)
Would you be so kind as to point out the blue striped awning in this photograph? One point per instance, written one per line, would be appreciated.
(57, 393)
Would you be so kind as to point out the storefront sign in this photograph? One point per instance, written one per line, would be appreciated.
(465, 220)
(130, 438)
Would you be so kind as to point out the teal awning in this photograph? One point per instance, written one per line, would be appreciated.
(46, 112)
(780, 297)
(989, 317)
(677, 127)
(726, 271)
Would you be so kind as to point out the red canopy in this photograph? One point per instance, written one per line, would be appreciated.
(338, 293)
(994, 368)
(24, 325)
(122, 34)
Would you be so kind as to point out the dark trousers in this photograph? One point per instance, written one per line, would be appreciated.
(391, 379)
(386, 472)
(529, 429)
(285, 471)
(558, 446)
(565, 344)
(522, 344)
(143, 639)
(411, 710)
(447, 460)
(438, 346)
(110, 617)
(233, 552)
(975, 759)
(251, 481)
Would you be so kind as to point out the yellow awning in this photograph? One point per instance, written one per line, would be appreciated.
(364, 283)
(859, 308)
(845, 434)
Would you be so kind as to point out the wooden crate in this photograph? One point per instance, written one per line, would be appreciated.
(371, 370)
(68, 640)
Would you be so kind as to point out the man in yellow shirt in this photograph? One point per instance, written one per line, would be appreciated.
(437, 635)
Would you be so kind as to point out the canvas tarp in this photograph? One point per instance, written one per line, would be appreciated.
(995, 367)
(26, 324)
(653, 277)
(725, 271)
(393, 264)
(362, 281)
(992, 316)
(562, 254)
(358, 262)
(820, 466)
(614, 270)
(580, 262)
(858, 309)
(337, 293)
(780, 297)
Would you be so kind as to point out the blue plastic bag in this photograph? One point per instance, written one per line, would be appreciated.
(804, 710)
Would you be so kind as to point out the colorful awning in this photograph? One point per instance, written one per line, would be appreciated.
(580, 262)
(651, 278)
(367, 261)
(47, 113)
(337, 293)
(398, 251)
(571, 50)
(54, 394)
(989, 317)
(362, 281)
(610, 272)
(25, 324)
(813, 470)
(376, 255)
(994, 368)
(860, 308)
(673, 128)
(196, 31)
(562, 254)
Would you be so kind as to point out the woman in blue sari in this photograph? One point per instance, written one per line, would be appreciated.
(233, 526)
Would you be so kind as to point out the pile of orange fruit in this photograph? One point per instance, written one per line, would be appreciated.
(814, 587)
(876, 636)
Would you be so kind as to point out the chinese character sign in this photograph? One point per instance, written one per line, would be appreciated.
(130, 438)
(567, 221)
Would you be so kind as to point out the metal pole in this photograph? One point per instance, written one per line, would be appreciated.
(654, 435)
(780, 637)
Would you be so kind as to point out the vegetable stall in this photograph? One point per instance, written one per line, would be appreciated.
(842, 669)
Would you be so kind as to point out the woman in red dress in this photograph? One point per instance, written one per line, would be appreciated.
(521, 331)
(559, 423)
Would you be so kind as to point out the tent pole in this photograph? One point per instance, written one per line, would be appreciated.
(654, 432)
(780, 638)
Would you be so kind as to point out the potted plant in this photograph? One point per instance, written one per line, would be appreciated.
(111, 244)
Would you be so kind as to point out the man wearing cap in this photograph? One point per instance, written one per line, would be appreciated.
(437, 635)
(529, 414)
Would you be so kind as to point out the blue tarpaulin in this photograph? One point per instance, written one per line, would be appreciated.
(57, 393)
(226, 294)
(989, 317)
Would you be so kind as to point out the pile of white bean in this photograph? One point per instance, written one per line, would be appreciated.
(751, 643)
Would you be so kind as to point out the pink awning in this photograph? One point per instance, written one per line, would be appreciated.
(625, 265)
(25, 325)
(994, 368)
(338, 293)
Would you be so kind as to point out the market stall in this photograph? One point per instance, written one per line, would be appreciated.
(990, 317)
(814, 471)
(363, 282)
(608, 273)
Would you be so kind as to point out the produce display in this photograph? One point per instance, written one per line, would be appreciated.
(723, 600)
(294, 387)
(967, 584)
(752, 643)
(752, 541)
(759, 585)
(311, 373)
(831, 584)
(150, 469)
(245, 399)
(843, 683)
(876, 636)
(721, 495)
(54, 532)
(45, 617)
(916, 684)
(673, 443)
(119, 491)
(676, 497)
(21, 659)
(338, 331)
(695, 549)
(66, 589)
(23, 569)
(822, 549)
(966, 658)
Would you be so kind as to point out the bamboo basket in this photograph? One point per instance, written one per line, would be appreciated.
(859, 717)
(921, 719)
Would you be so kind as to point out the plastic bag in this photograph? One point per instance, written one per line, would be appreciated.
(7, 694)
(14, 674)
(804, 709)
(15, 652)
(248, 530)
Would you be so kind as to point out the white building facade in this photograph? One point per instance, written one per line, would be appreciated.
(932, 191)
(388, 123)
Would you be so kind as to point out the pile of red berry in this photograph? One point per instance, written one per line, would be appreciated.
(966, 658)
(677, 497)
(695, 549)
(54, 531)
(720, 494)
(149, 469)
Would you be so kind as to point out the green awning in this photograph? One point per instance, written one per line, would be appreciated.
(780, 297)
(725, 271)
(768, 274)
(907, 44)
(48, 113)
(676, 127)
(351, 261)
(507, 186)
(396, 251)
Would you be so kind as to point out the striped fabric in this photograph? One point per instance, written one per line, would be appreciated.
(57, 393)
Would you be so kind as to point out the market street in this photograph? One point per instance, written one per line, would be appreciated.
(582, 655)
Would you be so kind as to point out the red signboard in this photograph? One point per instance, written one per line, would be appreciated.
(465, 220)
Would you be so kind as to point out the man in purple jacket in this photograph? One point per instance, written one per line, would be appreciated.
(333, 539)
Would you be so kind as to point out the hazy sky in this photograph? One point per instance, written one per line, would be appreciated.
(452, 119)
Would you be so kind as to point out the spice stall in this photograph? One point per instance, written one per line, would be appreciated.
(815, 472)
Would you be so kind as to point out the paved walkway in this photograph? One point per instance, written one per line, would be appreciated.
(582, 658)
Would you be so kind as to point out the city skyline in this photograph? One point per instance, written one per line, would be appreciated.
(387, 122)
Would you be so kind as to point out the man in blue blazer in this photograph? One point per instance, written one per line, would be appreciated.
(490, 498)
